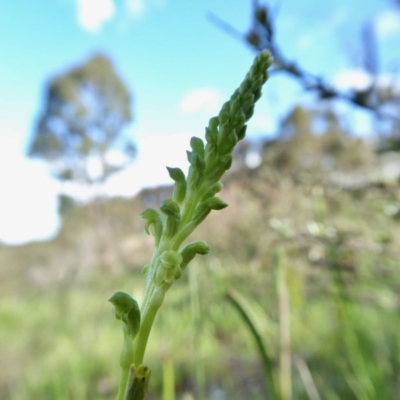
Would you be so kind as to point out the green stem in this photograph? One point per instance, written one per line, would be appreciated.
(150, 309)
(123, 381)
(137, 383)
(154, 296)
(191, 202)
(126, 358)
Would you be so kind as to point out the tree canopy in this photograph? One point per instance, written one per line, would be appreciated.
(80, 131)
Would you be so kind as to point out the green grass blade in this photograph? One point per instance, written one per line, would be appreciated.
(266, 360)
(168, 380)
(285, 354)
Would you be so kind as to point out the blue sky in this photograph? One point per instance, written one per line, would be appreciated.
(177, 64)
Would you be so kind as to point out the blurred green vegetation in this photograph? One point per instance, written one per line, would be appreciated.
(326, 199)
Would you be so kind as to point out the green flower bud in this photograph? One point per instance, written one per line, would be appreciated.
(197, 146)
(241, 133)
(189, 156)
(240, 118)
(196, 170)
(235, 104)
(196, 161)
(231, 140)
(173, 216)
(213, 123)
(133, 320)
(216, 203)
(122, 302)
(176, 174)
(204, 208)
(247, 105)
(226, 162)
(211, 136)
(190, 251)
(224, 130)
(217, 187)
(180, 184)
(153, 223)
(170, 259)
(171, 208)
(249, 112)
(168, 265)
(127, 310)
(171, 226)
(211, 155)
(247, 99)
(200, 213)
(245, 86)
(156, 230)
(257, 83)
(215, 172)
(149, 215)
(224, 115)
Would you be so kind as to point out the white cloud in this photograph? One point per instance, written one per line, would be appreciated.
(387, 23)
(94, 167)
(203, 99)
(360, 80)
(137, 8)
(28, 201)
(261, 121)
(116, 157)
(353, 79)
(92, 14)
(155, 153)
(113, 157)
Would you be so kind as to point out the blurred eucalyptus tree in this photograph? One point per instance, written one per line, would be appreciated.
(80, 131)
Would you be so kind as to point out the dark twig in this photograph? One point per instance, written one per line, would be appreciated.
(261, 35)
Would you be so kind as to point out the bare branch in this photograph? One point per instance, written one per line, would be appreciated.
(261, 35)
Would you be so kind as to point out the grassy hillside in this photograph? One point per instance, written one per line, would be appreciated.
(329, 203)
